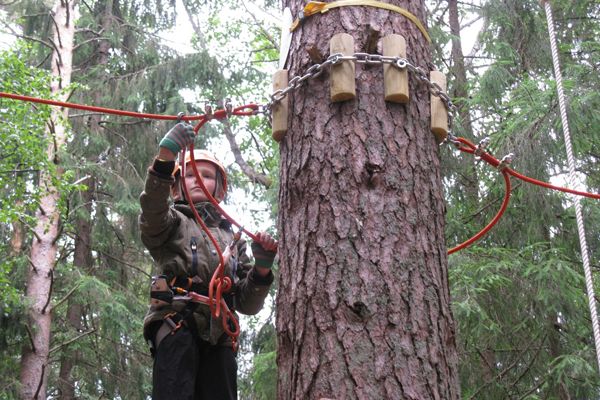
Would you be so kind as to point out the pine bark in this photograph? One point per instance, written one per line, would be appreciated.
(363, 302)
(34, 361)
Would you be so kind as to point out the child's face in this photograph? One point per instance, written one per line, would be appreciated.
(208, 173)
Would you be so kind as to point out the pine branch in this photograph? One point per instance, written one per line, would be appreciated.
(261, 28)
(89, 41)
(505, 370)
(239, 159)
(66, 297)
(68, 342)
(49, 292)
(32, 229)
(49, 44)
(471, 217)
(15, 171)
(124, 263)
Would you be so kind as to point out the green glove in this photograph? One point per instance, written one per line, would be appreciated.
(262, 258)
(179, 137)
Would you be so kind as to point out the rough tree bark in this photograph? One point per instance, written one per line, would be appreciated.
(34, 361)
(363, 302)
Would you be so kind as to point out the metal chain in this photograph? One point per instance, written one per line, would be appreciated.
(362, 58)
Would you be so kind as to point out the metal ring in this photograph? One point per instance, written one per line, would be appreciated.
(401, 63)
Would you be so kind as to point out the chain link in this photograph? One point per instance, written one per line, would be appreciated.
(362, 58)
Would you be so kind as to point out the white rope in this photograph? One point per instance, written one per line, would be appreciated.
(580, 228)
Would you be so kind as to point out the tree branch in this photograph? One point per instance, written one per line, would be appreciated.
(50, 44)
(505, 370)
(65, 298)
(239, 159)
(68, 342)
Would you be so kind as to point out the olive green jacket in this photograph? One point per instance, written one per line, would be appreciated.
(181, 249)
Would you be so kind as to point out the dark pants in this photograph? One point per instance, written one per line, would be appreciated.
(189, 369)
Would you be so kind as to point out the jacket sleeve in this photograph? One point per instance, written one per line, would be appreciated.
(157, 220)
(252, 290)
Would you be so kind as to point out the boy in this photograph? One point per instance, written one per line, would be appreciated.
(193, 356)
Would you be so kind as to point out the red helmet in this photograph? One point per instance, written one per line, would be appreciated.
(203, 155)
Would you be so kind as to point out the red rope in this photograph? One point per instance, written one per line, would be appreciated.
(98, 109)
(494, 162)
(469, 147)
(219, 283)
(232, 333)
(211, 198)
(245, 110)
(496, 218)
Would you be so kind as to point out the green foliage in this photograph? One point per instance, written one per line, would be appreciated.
(521, 338)
(518, 294)
(22, 158)
(261, 381)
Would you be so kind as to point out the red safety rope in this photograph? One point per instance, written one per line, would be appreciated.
(495, 162)
(496, 218)
(468, 147)
(219, 283)
(221, 114)
(198, 298)
(98, 109)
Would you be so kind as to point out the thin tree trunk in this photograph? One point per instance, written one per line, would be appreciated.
(467, 179)
(18, 234)
(34, 361)
(82, 259)
(557, 388)
(363, 301)
(83, 243)
(17, 237)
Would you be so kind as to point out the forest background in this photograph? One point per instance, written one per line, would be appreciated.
(518, 295)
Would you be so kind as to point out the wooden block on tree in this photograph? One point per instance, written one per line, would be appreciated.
(395, 80)
(279, 122)
(343, 85)
(439, 113)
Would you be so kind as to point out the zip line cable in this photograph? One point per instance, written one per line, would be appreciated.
(571, 161)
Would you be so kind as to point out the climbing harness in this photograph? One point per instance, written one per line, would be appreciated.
(572, 177)
(314, 7)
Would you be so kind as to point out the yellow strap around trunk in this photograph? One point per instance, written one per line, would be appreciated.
(314, 7)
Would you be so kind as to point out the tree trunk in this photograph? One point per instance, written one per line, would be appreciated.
(363, 302)
(82, 259)
(16, 239)
(467, 176)
(557, 388)
(34, 361)
(83, 242)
